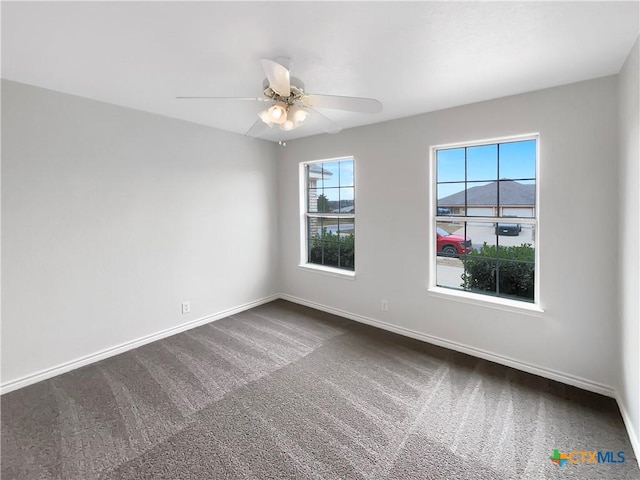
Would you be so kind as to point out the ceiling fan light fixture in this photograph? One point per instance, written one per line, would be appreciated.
(288, 125)
(265, 117)
(299, 115)
(278, 113)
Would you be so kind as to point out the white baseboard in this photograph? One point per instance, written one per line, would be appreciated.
(631, 429)
(110, 352)
(459, 347)
(476, 352)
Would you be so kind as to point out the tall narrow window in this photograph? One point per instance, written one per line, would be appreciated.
(329, 213)
(485, 220)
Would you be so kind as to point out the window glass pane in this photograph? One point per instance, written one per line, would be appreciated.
(482, 199)
(324, 204)
(315, 173)
(482, 237)
(517, 241)
(312, 200)
(482, 162)
(517, 199)
(518, 159)
(479, 275)
(346, 239)
(450, 198)
(450, 165)
(346, 173)
(479, 263)
(329, 226)
(331, 199)
(480, 270)
(347, 204)
(314, 236)
(451, 240)
(516, 279)
(315, 225)
(330, 244)
(449, 272)
(323, 245)
(331, 174)
(508, 230)
(451, 245)
(346, 227)
(331, 250)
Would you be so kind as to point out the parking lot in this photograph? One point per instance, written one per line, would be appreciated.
(485, 232)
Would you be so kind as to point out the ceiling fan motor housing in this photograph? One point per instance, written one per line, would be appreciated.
(296, 91)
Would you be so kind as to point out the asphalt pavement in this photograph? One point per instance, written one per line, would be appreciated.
(480, 233)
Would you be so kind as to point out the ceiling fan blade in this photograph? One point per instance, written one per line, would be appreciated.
(328, 125)
(264, 99)
(351, 104)
(257, 128)
(278, 77)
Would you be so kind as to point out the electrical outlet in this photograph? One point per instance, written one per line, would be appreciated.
(384, 305)
(186, 307)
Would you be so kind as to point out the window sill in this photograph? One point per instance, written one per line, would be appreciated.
(497, 303)
(333, 272)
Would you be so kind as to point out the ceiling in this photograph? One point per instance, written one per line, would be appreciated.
(414, 57)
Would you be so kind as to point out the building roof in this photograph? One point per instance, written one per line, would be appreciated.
(316, 171)
(511, 193)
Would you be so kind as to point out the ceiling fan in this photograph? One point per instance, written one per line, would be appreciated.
(290, 106)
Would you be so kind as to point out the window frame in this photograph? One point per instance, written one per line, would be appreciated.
(305, 215)
(487, 300)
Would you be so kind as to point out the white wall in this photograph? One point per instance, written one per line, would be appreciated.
(577, 337)
(629, 233)
(111, 217)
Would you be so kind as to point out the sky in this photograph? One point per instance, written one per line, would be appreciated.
(517, 160)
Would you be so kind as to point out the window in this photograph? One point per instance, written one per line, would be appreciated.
(329, 213)
(485, 217)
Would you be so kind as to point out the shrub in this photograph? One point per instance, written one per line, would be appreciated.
(333, 250)
(508, 271)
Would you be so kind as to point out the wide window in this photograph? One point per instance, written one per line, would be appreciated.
(485, 220)
(329, 213)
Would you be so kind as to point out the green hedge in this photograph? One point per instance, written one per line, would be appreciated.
(508, 271)
(333, 250)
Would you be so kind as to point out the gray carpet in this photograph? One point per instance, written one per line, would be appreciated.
(283, 391)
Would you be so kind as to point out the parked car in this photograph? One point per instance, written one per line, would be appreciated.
(450, 245)
(512, 229)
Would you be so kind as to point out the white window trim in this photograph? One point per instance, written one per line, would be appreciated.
(497, 303)
(331, 271)
(532, 308)
(304, 255)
